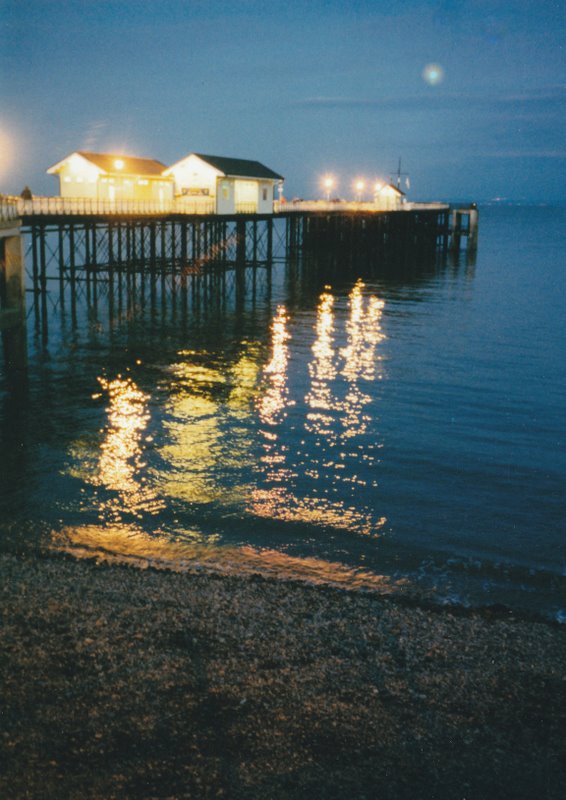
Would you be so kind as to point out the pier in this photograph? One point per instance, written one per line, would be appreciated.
(64, 247)
(12, 288)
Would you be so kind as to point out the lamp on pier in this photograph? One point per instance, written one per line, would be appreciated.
(328, 183)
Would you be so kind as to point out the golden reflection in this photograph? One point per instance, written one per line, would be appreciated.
(120, 457)
(142, 550)
(119, 465)
(360, 358)
(281, 503)
(332, 420)
(322, 371)
(244, 375)
(203, 463)
(191, 449)
(275, 396)
(364, 334)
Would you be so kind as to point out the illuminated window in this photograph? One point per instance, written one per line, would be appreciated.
(67, 179)
(79, 178)
(143, 183)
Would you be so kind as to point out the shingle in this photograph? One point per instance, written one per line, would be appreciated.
(132, 164)
(240, 167)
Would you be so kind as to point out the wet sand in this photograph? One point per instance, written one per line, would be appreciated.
(123, 683)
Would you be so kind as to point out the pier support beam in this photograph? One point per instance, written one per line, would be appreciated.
(464, 225)
(12, 297)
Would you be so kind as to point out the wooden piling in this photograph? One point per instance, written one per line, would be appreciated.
(12, 297)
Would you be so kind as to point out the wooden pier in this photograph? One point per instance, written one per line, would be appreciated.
(12, 292)
(196, 255)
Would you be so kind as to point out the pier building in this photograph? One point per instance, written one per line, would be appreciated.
(215, 230)
(388, 197)
(228, 185)
(198, 183)
(113, 178)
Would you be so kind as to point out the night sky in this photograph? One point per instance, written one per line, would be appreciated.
(305, 87)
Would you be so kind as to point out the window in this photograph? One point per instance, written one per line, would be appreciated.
(264, 193)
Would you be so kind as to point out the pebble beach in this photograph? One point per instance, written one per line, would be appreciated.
(127, 683)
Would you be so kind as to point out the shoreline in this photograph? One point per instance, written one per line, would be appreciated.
(128, 683)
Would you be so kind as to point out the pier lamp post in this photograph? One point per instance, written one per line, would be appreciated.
(328, 184)
(359, 186)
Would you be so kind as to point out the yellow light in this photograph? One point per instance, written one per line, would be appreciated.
(378, 186)
(119, 164)
(328, 182)
(359, 186)
(274, 398)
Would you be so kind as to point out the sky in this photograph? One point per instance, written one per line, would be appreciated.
(469, 94)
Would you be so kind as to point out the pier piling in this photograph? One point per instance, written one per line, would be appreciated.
(12, 296)
(201, 257)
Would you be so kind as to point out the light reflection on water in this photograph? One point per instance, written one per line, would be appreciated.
(116, 463)
(333, 423)
(396, 425)
(227, 442)
(133, 546)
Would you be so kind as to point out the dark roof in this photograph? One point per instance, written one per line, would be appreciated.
(240, 167)
(132, 164)
(392, 186)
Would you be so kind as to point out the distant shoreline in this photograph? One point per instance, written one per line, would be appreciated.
(127, 683)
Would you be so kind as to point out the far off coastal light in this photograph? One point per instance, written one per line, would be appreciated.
(433, 74)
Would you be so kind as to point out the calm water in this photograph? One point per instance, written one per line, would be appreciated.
(405, 432)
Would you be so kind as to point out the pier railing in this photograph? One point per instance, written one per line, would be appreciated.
(12, 208)
(84, 206)
(348, 206)
(8, 209)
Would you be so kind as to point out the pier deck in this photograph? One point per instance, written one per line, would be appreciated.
(74, 241)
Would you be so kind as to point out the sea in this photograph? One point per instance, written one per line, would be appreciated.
(393, 429)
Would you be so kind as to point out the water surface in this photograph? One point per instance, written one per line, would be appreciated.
(396, 429)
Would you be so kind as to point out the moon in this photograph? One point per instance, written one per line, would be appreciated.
(433, 74)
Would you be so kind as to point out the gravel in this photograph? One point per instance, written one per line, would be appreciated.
(128, 683)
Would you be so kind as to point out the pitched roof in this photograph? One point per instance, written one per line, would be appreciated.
(240, 167)
(107, 163)
(392, 186)
(132, 164)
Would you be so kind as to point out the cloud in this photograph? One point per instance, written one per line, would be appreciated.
(547, 97)
(518, 154)
(93, 134)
